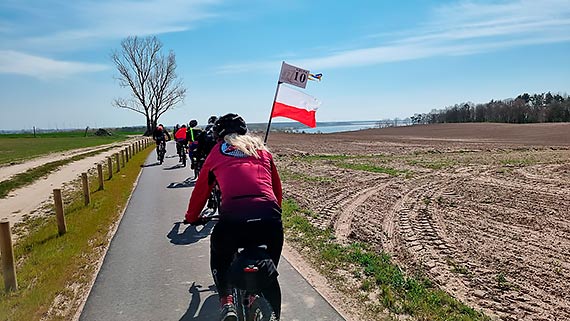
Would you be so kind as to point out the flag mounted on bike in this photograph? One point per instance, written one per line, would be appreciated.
(296, 105)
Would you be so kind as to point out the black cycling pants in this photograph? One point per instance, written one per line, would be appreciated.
(227, 237)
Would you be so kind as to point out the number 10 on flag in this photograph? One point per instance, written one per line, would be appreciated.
(293, 75)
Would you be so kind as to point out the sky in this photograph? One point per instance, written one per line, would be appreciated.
(379, 59)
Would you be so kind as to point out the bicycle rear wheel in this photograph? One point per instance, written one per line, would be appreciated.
(260, 310)
(162, 153)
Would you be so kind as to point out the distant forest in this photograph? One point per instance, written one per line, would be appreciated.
(537, 108)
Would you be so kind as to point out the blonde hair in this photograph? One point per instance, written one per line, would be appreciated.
(247, 143)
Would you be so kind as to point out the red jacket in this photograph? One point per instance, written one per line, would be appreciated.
(180, 134)
(249, 185)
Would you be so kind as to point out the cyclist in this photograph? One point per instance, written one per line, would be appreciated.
(206, 139)
(250, 212)
(192, 136)
(181, 142)
(160, 135)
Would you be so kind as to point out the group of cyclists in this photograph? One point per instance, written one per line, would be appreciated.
(190, 140)
(242, 168)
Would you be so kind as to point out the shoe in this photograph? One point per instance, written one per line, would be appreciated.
(228, 311)
(191, 166)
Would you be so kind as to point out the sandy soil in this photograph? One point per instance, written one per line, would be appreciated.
(483, 211)
(29, 200)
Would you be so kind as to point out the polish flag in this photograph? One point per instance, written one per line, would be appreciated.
(296, 105)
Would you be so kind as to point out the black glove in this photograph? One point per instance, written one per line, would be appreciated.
(200, 221)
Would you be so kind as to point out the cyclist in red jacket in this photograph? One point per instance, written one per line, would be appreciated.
(250, 211)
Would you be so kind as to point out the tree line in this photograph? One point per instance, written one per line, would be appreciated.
(525, 108)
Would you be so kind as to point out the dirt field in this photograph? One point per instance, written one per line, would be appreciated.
(481, 209)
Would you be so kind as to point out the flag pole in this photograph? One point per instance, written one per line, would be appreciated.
(271, 114)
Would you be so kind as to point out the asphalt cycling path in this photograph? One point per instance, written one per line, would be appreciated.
(158, 268)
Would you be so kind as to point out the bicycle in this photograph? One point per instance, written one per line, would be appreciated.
(251, 271)
(198, 163)
(161, 151)
(181, 148)
(215, 199)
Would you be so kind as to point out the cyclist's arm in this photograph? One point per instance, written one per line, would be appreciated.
(199, 195)
(276, 183)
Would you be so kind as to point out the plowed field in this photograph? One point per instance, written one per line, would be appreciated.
(481, 209)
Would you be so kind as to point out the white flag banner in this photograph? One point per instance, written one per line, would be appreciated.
(293, 75)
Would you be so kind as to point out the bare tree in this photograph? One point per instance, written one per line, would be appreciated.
(150, 75)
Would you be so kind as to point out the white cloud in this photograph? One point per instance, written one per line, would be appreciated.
(42, 68)
(462, 28)
(88, 23)
(33, 30)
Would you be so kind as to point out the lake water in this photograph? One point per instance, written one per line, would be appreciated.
(328, 127)
(338, 127)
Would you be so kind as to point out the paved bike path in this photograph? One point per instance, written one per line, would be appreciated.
(158, 269)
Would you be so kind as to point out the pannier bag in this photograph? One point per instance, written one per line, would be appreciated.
(252, 270)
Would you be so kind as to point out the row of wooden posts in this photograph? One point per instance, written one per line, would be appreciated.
(6, 248)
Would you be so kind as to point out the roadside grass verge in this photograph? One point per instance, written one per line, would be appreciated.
(51, 266)
(380, 284)
(31, 175)
(20, 147)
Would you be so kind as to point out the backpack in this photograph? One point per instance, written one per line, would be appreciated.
(206, 141)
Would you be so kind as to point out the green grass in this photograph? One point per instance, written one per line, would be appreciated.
(290, 175)
(400, 294)
(48, 263)
(348, 162)
(33, 174)
(374, 169)
(20, 147)
(433, 163)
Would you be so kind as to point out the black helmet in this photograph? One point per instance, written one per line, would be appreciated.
(212, 119)
(230, 123)
(193, 123)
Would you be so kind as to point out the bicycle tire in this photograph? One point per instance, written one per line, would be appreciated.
(197, 168)
(162, 153)
(260, 310)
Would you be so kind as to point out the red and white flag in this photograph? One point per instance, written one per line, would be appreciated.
(296, 105)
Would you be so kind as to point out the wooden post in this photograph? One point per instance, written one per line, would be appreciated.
(126, 154)
(110, 167)
(58, 204)
(8, 268)
(123, 157)
(118, 163)
(100, 174)
(86, 194)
